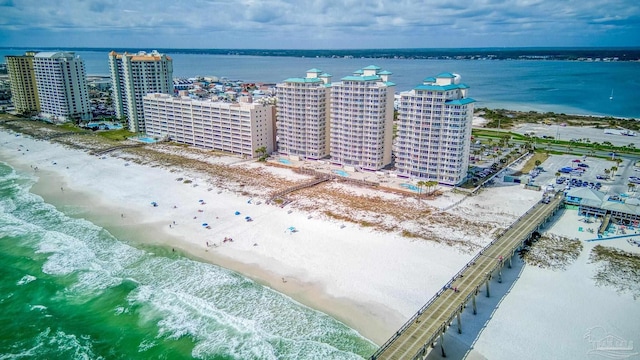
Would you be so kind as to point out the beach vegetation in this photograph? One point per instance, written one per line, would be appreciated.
(552, 252)
(507, 119)
(408, 234)
(616, 268)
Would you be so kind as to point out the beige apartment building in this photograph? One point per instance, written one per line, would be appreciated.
(362, 120)
(303, 116)
(61, 83)
(238, 128)
(135, 75)
(22, 77)
(434, 130)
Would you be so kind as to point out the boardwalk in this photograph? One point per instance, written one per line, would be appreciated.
(412, 341)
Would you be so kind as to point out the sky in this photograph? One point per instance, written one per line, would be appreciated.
(319, 24)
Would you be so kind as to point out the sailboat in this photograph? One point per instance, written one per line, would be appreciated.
(611, 97)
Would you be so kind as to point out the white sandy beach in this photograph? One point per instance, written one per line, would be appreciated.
(371, 280)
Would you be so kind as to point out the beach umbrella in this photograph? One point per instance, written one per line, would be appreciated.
(205, 224)
(237, 212)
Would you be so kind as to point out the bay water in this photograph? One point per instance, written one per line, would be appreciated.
(570, 87)
(71, 290)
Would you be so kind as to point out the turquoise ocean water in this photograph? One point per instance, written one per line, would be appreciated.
(71, 290)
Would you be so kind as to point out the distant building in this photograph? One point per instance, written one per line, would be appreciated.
(362, 119)
(238, 128)
(303, 115)
(22, 76)
(434, 130)
(135, 75)
(61, 83)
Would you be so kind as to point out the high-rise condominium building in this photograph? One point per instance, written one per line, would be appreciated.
(61, 82)
(434, 130)
(22, 76)
(238, 128)
(135, 75)
(303, 115)
(362, 119)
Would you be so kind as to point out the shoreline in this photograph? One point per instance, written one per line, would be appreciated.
(372, 320)
(103, 214)
(372, 280)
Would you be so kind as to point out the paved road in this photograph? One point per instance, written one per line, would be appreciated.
(424, 328)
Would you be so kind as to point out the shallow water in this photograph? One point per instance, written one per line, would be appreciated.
(71, 290)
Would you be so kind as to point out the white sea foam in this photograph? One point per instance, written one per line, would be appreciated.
(38, 307)
(26, 279)
(227, 314)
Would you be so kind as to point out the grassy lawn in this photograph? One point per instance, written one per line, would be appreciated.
(115, 135)
(531, 163)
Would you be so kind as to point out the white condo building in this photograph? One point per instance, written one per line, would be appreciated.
(135, 75)
(434, 130)
(240, 128)
(303, 115)
(362, 119)
(61, 83)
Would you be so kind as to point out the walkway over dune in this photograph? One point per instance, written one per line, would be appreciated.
(417, 335)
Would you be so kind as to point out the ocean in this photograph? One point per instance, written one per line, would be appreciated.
(561, 86)
(71, 290)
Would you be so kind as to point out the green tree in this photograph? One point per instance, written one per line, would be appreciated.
(262, 153)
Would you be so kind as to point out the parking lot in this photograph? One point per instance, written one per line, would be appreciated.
(591, 168)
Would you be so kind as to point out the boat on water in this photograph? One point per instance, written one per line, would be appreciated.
(611, 96)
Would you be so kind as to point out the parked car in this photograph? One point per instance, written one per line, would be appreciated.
(583, 165)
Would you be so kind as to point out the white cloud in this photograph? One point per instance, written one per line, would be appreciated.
(321, 23)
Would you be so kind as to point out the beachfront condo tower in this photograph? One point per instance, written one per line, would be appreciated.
(434, 130)
(22, 77)
(242, 128)
(135, 75)
(303, 116)
(61, 82)
(362, 120)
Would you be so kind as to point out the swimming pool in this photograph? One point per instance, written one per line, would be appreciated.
(105, 126)
(341, 173)
(284, 161)
(410, 187)
(146, 139)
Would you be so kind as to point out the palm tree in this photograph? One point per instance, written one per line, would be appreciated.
(420, 185)
(613, 170)
(618, 161)
(631, 186)
(557, 174)
(262, 153)
(431, 185)
(607, 172)
(538, 162)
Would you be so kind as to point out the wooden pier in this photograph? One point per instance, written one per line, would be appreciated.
(427, 327)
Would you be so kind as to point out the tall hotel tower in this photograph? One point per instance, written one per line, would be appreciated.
(434, 130)
(61, 81)
(303, 116)
(362, 119)
(24, 93)
(135, 75)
